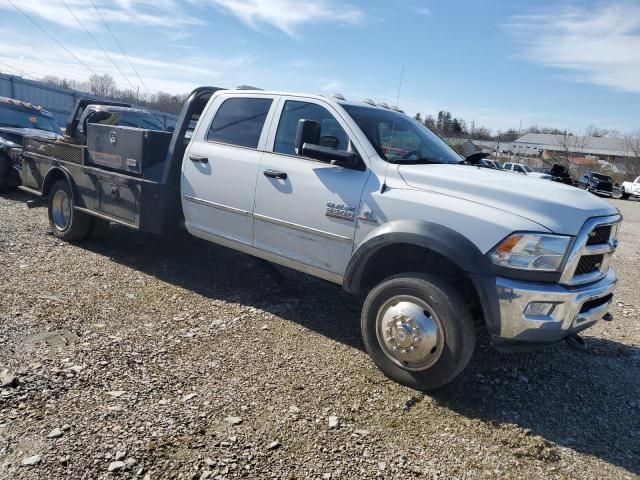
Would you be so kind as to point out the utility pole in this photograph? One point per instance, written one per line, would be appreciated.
(513, 150)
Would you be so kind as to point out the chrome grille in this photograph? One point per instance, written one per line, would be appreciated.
(600, 235)
(589, 263)
(590, 255)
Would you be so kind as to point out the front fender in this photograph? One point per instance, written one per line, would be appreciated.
(437, 238)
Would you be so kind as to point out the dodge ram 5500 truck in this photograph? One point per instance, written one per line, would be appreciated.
(438, 247)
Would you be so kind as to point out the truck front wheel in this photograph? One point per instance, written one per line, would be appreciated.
(66, 223)
(418, 330)
(624, 195)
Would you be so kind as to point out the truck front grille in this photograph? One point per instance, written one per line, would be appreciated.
(589, 263)
(591, 253)
(600, 235)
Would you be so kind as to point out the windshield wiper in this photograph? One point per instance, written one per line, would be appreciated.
(11, 125)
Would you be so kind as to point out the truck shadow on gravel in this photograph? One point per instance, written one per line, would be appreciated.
(585, 401)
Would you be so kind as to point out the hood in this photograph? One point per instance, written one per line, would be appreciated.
(16, 135)
(558, 207)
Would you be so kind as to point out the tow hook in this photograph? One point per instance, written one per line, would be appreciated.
(577, 342)
(608, 317)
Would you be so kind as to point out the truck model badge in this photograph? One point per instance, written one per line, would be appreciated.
(338, 210)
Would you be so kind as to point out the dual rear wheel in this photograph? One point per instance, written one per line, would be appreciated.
(66, 222)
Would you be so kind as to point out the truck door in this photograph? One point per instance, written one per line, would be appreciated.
(220, 167)
(305, 209)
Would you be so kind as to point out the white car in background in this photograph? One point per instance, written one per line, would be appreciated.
(525, 170)
(630, 189)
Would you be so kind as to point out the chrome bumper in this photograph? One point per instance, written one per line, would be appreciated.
(570, 309)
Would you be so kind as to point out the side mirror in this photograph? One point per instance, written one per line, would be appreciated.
(308, 132)
(310, 144)
(342, 158)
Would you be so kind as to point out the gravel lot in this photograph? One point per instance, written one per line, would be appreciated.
(178, 359)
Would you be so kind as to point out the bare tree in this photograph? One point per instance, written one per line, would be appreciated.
(572, 145)
(53, 81)
(102, 85)
(632, 149)
(593, 131)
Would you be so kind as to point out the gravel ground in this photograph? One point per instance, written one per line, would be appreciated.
(142, 357)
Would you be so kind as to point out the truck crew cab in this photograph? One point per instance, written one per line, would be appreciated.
(361, 195)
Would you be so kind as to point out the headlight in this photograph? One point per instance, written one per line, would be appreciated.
(532, 251)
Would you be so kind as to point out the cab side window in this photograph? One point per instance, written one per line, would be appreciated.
(239, 121)
(518, 168)
(332, 135)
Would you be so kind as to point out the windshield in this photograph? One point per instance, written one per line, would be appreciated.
(400, 139)
(19, 117)
(527, 168)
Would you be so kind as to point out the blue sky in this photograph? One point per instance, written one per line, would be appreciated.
(559, 64)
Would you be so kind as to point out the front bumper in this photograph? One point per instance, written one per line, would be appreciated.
(604, 193)
(567, 310)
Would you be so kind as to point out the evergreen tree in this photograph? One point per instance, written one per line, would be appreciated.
(430, 123)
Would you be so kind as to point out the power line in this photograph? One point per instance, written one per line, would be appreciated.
(98, 44)
(120, 46)
(52, 37)
(15, 69)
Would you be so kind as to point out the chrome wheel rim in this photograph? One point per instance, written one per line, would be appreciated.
(410, 332)
(61, 210)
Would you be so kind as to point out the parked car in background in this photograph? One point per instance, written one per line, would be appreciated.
(19, 120)
(561, 174)
(495, 164)
(597, 183)
(630, 189)
(525, 170)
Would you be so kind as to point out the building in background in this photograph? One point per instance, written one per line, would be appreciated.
(606, 152)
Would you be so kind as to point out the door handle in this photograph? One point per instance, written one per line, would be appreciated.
(198, 159)
(275, 174)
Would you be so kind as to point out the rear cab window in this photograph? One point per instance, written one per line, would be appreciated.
(239, 121)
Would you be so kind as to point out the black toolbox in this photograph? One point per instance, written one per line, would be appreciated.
(125, 149)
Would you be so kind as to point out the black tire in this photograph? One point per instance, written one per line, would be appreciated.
(99, 228)
(455, 319)
(79, 223)
(5, 172)
(624, 195)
